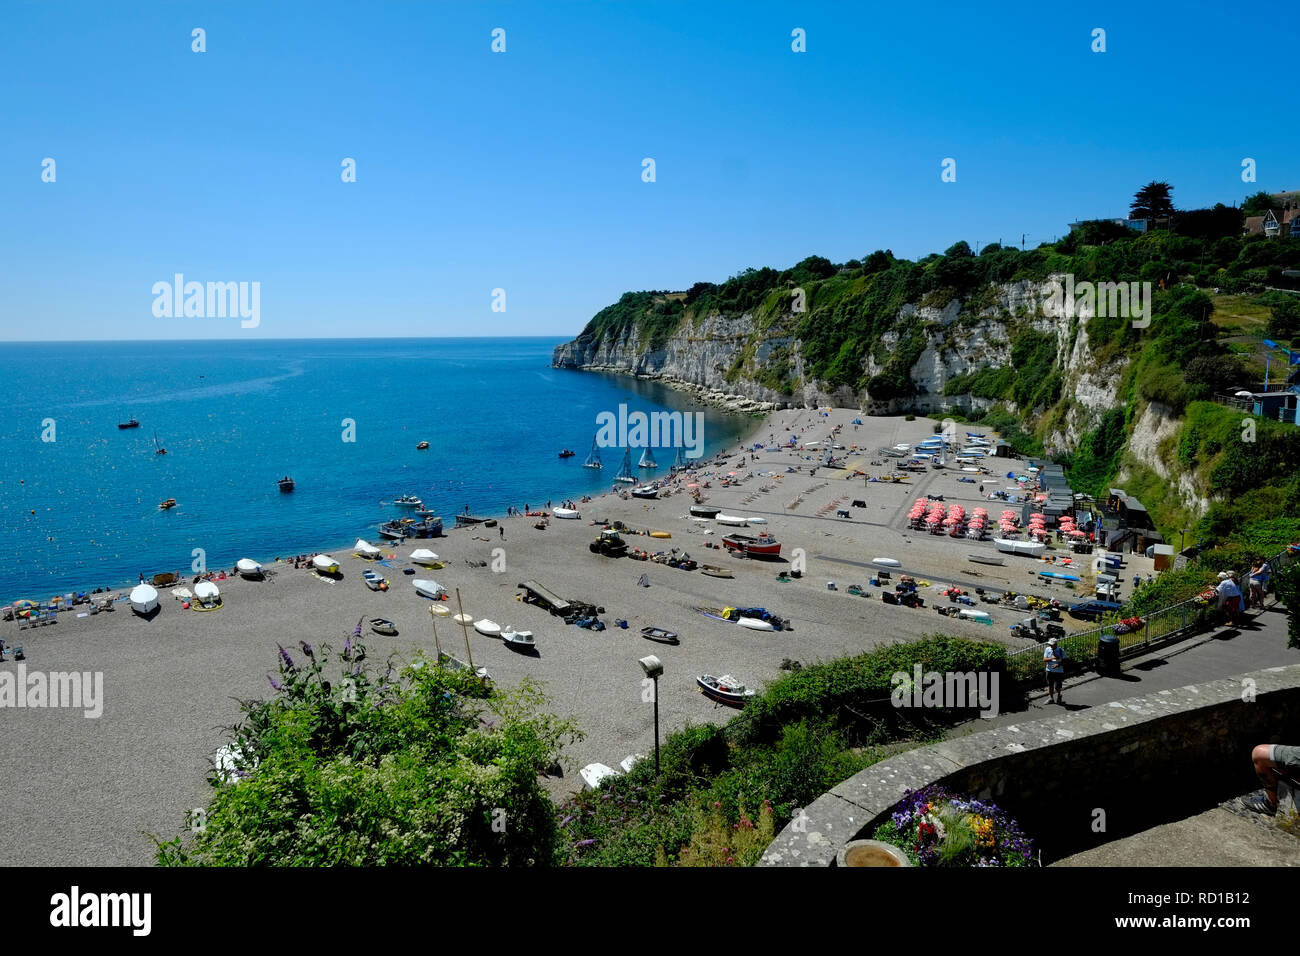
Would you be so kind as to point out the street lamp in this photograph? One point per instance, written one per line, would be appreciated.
(654, 669)
(1181, 535)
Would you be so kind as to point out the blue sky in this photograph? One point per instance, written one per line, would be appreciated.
(522, 170)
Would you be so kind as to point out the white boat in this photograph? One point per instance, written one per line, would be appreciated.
(463, 618)
(980, 617)
(374, 580)
(207, 594)
(1030, 549)
(430, 589)
(325, 564)
(488, 628)
(754, 624)
(424, 556)
(725, 689)
(971, 468)
(630, 761)
(736, 520)
(366, 549)
(593, 457)
(248, 568)
(569, 513)
(144, 599)
(647, 459)
(887, 562)
(645, 491)
(756, 520)
(440, 609)
(408, 501)
(518, 639)
(594, 774)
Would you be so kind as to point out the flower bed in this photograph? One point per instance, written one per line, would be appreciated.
(936, 828)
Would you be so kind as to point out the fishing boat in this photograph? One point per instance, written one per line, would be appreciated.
(660, 634)
(725, 689)
(207, 594)
(704, 511)
(248, 568)
(1030, 549)
(129, 424)
(430, 527)
(325, 564)
(408, 501)
(625, 469)
(488, 628)
(426, 557)
(567, 453)
(286, 484)
(887, 562)
(158, 449)
(374, 580)
(594, 774)
(422, 446)
(519, 640)
(713, 571)
(144, 599)
(366, 549)
(647, 459)
(984, 559)
(571, 514)
(394, 530)
(383, 626)
(593, 457)
(429, 589)
(764, 546)
(645, 491)
(165, 505)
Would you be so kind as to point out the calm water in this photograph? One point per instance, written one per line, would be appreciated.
(82, 511)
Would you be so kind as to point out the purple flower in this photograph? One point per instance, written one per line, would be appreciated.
(306, 648)
(565, 821)
(584, 843)
(274, 683)
(285, 659)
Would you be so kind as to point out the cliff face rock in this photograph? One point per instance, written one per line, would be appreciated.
(1157, 426)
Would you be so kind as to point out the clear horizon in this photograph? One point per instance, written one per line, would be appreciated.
(522, 170)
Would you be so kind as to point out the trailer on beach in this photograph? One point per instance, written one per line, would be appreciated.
(545, 598)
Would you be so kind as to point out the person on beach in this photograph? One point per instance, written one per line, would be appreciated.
(503, 532)
(1273, 763)
(1054, 659)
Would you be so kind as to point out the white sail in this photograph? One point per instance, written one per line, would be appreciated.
(647, 459)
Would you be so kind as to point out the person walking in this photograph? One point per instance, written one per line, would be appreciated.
(1054, 660)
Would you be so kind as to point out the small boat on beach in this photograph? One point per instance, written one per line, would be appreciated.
(488, 628)
(1029, 549)
(366, 549)
(374, 580)
(429, 589)
(1057, 576)
(630, 761)
(206, 594)
(426, 557)
(979, 617)
(984, 558)
(167, 505)
(735, 520)
(286, 484)
(383, 626)
(645, 491)
(519, 640)
(593, 457)
(144, 599)
(704, 511)
(660, 634)
(129, 424)
(594, 774)
(248, 568)
(725, 689)
(325, 564)
(887, 562)
(571, 514)
(469, 519)
(430, 527)
(764, 546)
(713, 571)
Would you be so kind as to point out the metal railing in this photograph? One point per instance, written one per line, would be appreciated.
(1167, 623)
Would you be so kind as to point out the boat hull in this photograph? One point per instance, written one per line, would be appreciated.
(753, 547)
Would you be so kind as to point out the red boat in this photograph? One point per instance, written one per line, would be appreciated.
(764, 546)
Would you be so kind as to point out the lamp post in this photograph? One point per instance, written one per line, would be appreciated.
(1181, 535)
(653, 669)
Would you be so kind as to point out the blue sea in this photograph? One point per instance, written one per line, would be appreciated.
(81, 511)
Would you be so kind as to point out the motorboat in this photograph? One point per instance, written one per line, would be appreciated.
(394, 530)
(763, 546)
(374, 580)
(144, 599)
(133, 423)
(645, 491)
(325, 564)
(286, 484)
(167, 505)
(429, 589)
(425, 556)
(408, 501)
(248, 568)
(571, 514)
(366, 549)
(594, 774)
(520, 640)
(1030, 549)
(488, 628)
(383, 626)
(725, 689)
(567, 453)
(662, 635)
(704, 511)
(422, 446)
(207, 594)
(430, 527)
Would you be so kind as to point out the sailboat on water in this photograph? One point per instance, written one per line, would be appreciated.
(593, 459)
(647, 459)
(625, 469)
(158, 449)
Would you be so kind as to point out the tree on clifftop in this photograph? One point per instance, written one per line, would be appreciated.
(1152, 201)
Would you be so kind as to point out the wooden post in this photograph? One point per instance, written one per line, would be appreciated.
(465, 627)
(433, 619)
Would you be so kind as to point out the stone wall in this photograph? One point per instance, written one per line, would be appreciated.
(1128, 766)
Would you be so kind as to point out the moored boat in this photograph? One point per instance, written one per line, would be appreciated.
(567, 453)
(763, 546)
(286, 484)
(366, 549)
(647, 459)
(394, 530)
(469, 519)
(207, 594)
(725, 689)
(887, 562)
(625, 469)
(984, 558)
(735, 520)
(593, 457)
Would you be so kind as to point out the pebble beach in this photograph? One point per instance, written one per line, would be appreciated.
(88, 791)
